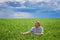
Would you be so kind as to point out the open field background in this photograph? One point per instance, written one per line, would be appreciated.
(10, 29)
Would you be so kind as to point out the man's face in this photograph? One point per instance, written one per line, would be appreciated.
(36, 25)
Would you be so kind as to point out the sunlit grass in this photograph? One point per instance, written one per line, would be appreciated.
(10, 29)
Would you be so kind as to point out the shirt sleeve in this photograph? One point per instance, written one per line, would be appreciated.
(32, 29)
(42, 30)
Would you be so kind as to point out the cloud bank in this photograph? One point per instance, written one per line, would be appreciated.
(29, 8)
(23, 15)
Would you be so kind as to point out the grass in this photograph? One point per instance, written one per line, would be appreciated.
(10, 29)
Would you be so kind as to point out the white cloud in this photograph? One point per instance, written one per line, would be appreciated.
(53, 3)
(2, 0)
(23, 15)
(1, 13)
(38, 0)
(31, 0)
(22, 1)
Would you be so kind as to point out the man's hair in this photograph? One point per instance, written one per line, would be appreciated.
(37, 22)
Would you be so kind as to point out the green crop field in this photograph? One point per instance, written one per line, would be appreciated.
(10, 29)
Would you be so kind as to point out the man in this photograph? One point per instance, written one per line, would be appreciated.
(37, 29)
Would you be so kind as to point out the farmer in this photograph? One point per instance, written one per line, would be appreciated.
(37, 29)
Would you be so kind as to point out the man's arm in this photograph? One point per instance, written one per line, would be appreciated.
(42, 31)
(26, 32)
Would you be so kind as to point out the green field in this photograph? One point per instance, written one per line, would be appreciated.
(10, 29)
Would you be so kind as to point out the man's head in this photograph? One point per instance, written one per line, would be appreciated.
(37, 24)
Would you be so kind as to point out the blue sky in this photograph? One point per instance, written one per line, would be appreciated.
(29, 8)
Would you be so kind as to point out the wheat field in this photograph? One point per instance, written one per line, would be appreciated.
(10, 29)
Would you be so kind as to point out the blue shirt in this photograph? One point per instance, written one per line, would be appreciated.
(39, 30)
